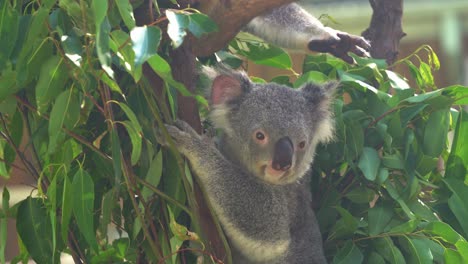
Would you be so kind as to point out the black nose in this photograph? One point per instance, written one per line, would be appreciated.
(283, 154)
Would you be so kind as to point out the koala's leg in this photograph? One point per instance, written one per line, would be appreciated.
(253, 215)
(290, 26)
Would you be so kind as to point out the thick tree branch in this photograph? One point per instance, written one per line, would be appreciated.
(385, 30)
(230, 16)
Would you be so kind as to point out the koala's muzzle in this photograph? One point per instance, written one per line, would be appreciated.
(283, 154)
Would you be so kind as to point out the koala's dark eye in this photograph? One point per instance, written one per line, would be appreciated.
(260, 136)
(301, 144)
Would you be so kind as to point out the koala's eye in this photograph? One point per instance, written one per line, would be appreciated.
(260, 137)
(302, 144)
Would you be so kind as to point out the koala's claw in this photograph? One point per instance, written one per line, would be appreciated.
(339, 47)
(184, 126)
(182, 134)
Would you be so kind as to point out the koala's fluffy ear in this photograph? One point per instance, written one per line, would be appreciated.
(320, 94)
(227, 85)
(320, 98)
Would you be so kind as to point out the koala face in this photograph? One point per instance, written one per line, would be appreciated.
(271, 130)
(278, 129)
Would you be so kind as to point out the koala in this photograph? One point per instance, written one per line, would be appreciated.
(290, 26)
(255, 176)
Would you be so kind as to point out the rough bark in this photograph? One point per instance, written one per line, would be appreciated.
(385, 29)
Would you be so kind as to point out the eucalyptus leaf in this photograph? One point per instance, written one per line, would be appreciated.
(83, 206)
(145, 43)
(34, 228)
(349, 253)
(52, 79)
(369, 163)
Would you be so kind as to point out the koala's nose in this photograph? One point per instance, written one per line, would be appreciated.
(283, 154)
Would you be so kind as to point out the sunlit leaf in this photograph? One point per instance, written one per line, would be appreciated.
(126, 12)
(145, 41)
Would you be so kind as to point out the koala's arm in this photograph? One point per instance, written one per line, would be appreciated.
(251, 214)
(290, 26)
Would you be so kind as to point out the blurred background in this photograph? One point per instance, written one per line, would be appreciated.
(441, 24)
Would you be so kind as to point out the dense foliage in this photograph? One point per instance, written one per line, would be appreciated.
(389, 189)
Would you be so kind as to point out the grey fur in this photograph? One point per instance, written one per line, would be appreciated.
(290, 26)
(265, 222)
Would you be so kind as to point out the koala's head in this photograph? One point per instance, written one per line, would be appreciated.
(271, 129)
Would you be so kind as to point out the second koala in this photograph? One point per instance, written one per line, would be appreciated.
(255, 177)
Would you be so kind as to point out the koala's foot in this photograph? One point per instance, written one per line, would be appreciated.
(340, 45)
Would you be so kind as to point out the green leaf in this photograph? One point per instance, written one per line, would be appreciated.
(163, 69)
(393, 161)
(417, 250)
(269, 55)
(100, 11)
(311, 76)
(387, 249)
(443, 230)
(65, 114)
(9, 24)
(457, 202)
(34, 228)
(354, 141)
(462, 247)
(153, 176)
(4, 222)
(135, 138)
(349, 254)
(435, 132)
(52, 79)
(8, 84)
(120, 45)
(369, 163)
(360, 195)
(102, 45)
(126, 12)
(145, 43)
(379, 217)
(458, 93)
(108, 203)
(452, 257)
(178, 22)
(415, 73)
(426, 74)
(83, 206)
(67, 206)
(345, 226)
(457, 164)
(200, 24)
(116, 157)
(396, 81)
(405, 228)
(375, 258)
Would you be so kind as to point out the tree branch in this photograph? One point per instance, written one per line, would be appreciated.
(231, 17)
(385, 30)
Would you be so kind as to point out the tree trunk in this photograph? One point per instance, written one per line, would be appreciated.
(385, 30)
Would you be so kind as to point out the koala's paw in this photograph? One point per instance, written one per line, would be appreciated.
(182, 134)
(340, 44)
